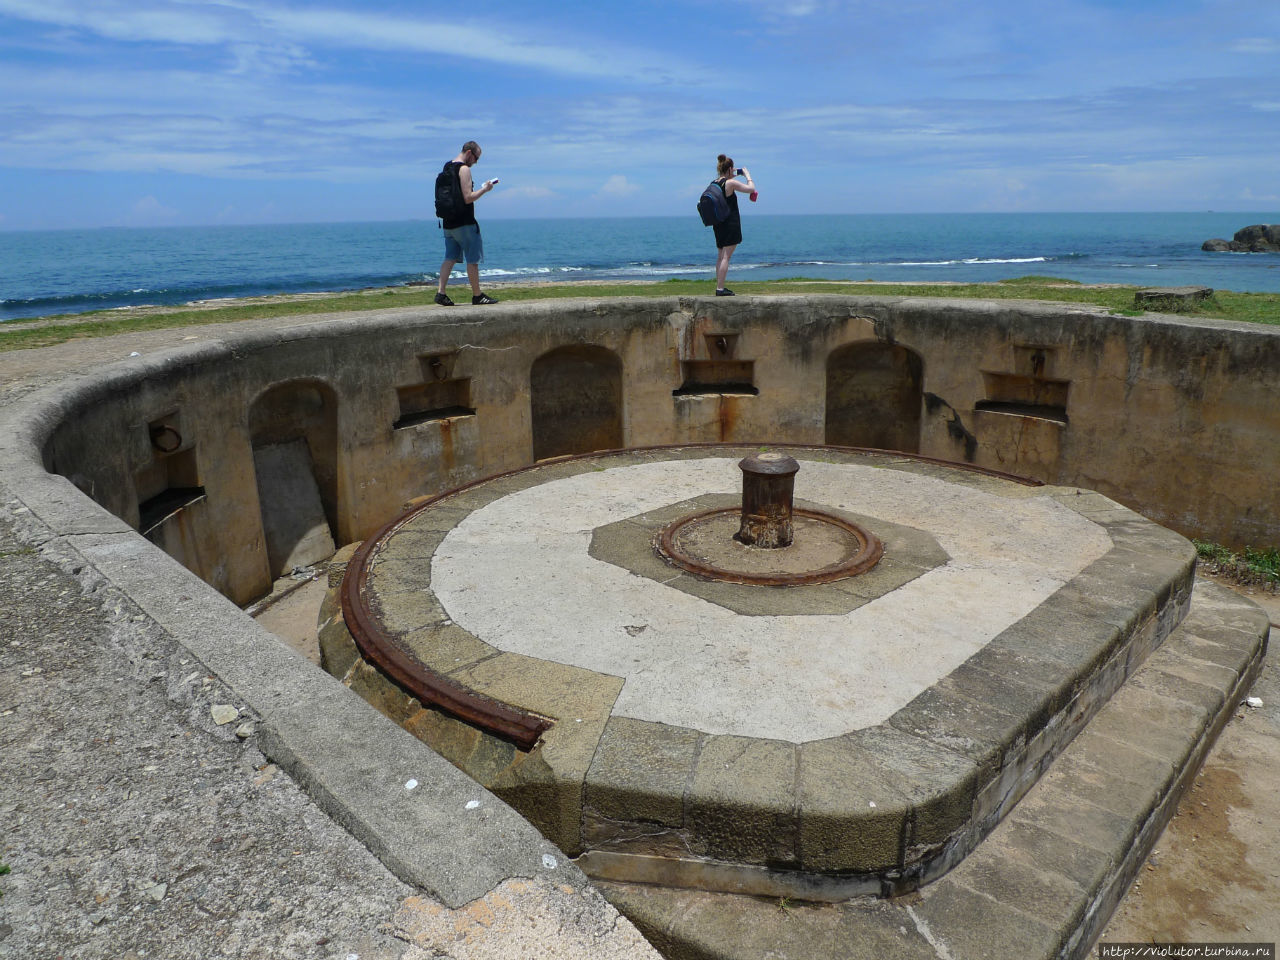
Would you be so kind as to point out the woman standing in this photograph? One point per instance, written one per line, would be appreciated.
(729, 232)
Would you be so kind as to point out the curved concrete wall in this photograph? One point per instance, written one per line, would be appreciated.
(1175, 418)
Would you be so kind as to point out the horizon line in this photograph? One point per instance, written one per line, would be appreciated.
(935, 213)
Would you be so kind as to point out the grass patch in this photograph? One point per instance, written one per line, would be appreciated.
(1252, 566)
(46, 331)
(1266, 562)
(1034, 279)
(1249, 307)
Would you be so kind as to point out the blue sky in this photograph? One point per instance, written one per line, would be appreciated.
(152, 112)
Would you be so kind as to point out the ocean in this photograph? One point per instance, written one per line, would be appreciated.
(72, 271)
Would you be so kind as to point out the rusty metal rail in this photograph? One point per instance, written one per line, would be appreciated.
(509, 723)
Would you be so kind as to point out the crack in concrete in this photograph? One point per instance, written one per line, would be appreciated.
(922, 928)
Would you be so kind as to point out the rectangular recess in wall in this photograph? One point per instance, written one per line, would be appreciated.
(434, 400)
(1023, 396)
(164, 505)
(166, 485)
(1034, 411)
(717, 376)
(721, 346)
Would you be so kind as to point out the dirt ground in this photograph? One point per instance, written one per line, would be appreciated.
(1215, 873)
(291, 613)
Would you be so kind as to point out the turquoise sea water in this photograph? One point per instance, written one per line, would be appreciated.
(69, 271)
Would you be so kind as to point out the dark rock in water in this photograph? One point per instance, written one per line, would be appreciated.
(1171, 298)
(1258, 238)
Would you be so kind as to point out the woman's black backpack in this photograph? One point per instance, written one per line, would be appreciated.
(713, 205)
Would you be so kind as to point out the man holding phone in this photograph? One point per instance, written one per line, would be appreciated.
(461, 232)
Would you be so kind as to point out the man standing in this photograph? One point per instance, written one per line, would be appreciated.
(461, 232)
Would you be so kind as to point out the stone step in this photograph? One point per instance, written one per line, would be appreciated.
(1046, 880)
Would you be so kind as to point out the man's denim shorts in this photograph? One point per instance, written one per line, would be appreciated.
(464, 241)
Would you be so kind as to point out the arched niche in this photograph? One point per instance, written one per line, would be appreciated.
(293, 432)
(575, 397)
(874, 396)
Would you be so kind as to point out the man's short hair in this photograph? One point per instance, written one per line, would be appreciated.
(472, 146)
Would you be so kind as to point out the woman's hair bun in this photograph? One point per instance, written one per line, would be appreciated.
(722, 158)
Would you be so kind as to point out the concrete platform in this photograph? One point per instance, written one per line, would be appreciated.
(860, 739)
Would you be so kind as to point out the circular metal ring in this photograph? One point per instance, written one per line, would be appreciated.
(868, 555)
(165, 430)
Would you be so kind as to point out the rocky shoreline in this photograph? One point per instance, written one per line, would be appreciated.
(1258, 238)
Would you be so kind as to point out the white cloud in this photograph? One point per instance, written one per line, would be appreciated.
(259, 33)
(181, 23)
(617, 186)
(150, 211)
(525, 193)
(1259, 199)
(793, 9)
(1262, 45)
(372, 32)
(259, 58)
(573, 115)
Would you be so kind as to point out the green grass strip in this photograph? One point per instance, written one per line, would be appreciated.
(1253, 565)
(46, 331)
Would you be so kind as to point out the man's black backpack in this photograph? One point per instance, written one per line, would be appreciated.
(449, 202)
(713, 205)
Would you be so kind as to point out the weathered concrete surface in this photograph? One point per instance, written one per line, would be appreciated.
(162, 818)
(131, 823)
(1214, 875)
(294, 524)
(136, 825)
(916, 721)
(517, 574)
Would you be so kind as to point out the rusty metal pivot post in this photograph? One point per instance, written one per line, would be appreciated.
(768, 482)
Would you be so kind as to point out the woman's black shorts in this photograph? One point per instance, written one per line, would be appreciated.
(729, 233)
